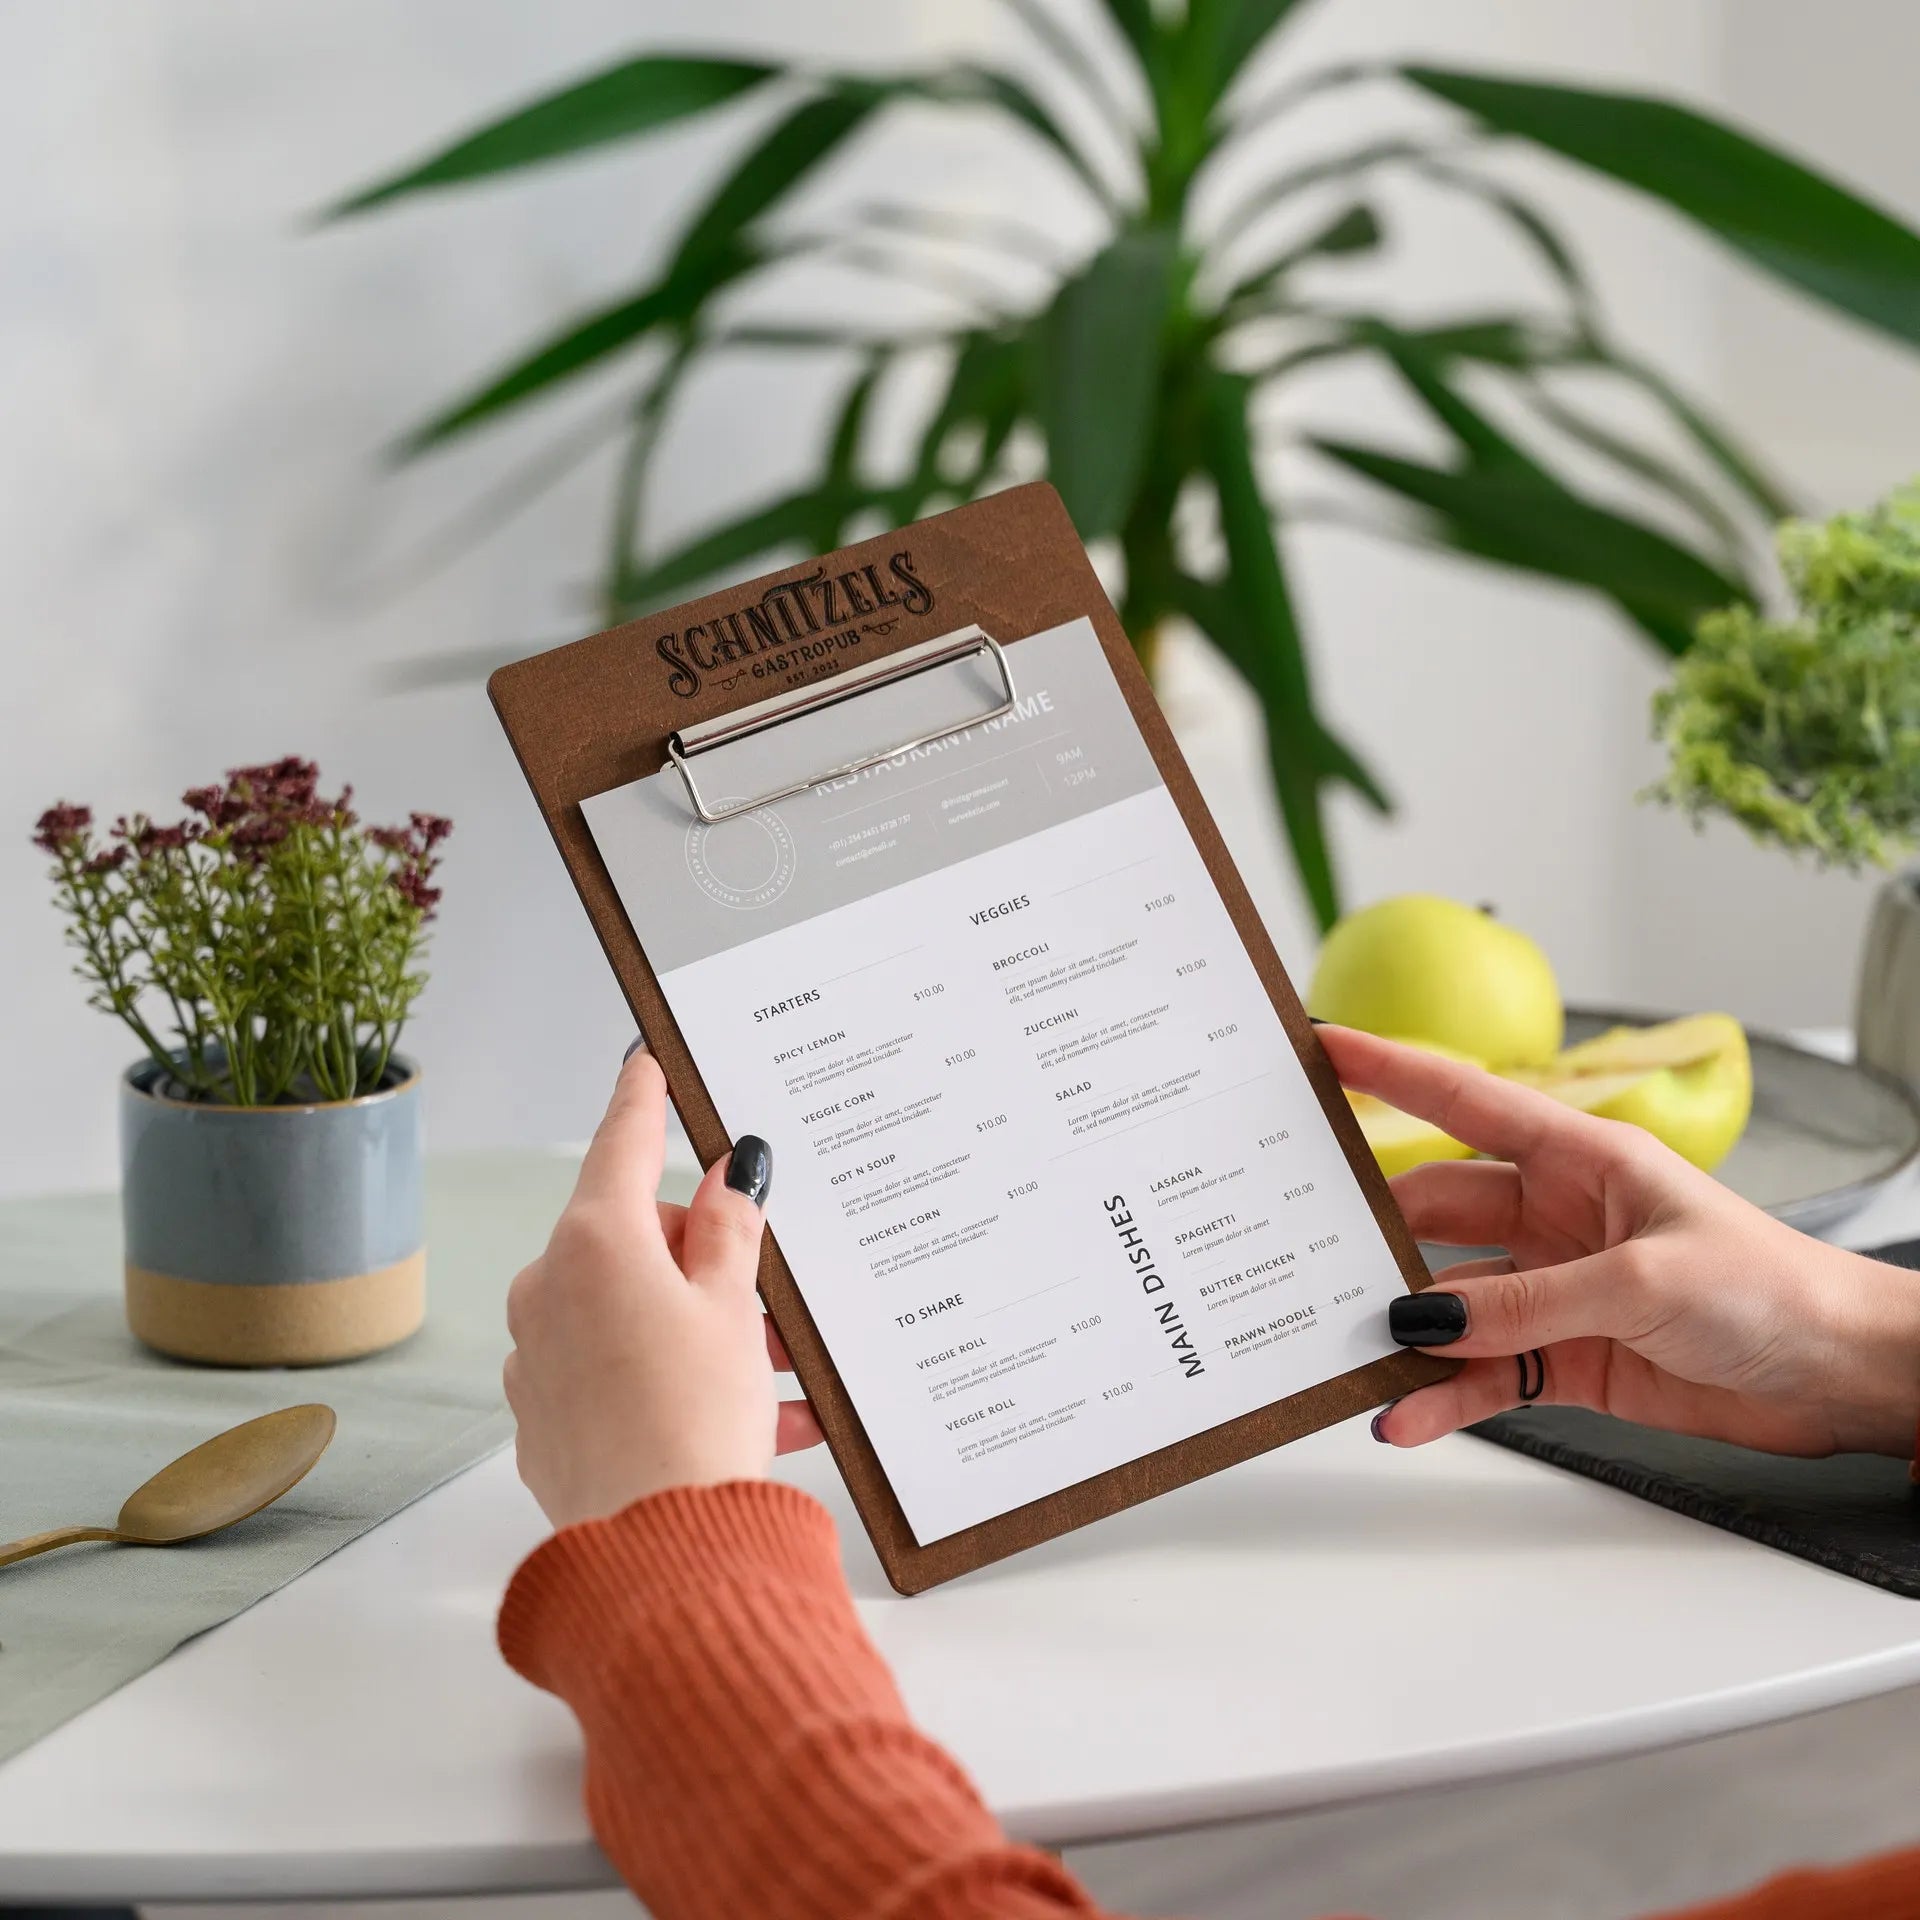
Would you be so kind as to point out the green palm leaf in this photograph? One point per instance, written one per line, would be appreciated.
(1713, 440)
(636, 97)
(1486, 446)
(841, 496)
(1539, 234)
(1040, 20)
(986, 395)
(1340, 762)
(776, 164)
(967, 85)
(1797, 224)
(574, 349)
(1099, 351)
(711, 254)
(1134, 18)
(1492, 452)
(787, 523)
(1524, 519)
(1523, 346)
(1355, 230)
(1234, 29)
(1250, 617)
(1679, 487)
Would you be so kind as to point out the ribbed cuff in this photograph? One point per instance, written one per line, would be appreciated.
(589, 1576)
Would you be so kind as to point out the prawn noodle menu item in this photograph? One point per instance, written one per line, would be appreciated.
(1051, 1177)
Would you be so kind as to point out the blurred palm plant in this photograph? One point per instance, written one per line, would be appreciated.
(1130, 373)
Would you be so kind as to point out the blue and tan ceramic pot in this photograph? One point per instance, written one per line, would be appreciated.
(272, 1236)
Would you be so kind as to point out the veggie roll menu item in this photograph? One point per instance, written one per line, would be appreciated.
(1051, 1178)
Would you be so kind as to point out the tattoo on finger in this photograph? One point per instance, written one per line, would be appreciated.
(1533, 1375)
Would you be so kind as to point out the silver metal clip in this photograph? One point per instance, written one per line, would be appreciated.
(684, 746)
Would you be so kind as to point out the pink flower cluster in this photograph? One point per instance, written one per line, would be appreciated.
(259, 806)
(416, 843)
(61, 825)
(252, 812)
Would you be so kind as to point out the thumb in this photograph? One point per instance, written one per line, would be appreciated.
(720, 1244)
(1485, 1309)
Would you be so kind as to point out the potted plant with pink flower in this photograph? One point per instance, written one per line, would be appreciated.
(265, 949)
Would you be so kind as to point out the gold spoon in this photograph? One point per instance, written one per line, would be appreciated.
(221, 1481)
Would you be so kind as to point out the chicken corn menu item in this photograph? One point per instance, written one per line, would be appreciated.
(1051, 1178)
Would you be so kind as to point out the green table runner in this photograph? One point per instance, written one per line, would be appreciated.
(86, 1414)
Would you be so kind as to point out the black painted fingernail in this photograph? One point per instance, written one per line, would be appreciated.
(1427, 1319)
(639, 1046)
(750, 1170)
(1379, 1420)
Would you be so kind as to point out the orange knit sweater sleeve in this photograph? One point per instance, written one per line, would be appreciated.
(748, 1753)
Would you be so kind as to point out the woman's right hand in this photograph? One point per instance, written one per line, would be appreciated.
(1650, 1290)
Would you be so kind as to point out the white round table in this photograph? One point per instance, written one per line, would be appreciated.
(1329, 1624)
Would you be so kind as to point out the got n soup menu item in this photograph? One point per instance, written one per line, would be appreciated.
(901, 870)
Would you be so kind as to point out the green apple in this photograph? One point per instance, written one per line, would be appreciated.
(1429, 969)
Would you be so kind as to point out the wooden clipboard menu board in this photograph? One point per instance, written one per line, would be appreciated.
(640, 731)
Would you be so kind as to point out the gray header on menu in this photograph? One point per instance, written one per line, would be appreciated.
(1069, 748)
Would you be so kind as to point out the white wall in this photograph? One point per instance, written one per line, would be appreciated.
(204, 562)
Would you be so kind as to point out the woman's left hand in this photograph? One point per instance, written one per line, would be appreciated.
(641, 1357)
(1632, 1283)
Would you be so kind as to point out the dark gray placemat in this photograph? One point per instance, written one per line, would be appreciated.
(1856, 1513)
(86, 1414)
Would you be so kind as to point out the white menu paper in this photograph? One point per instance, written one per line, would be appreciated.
(1047, 1170)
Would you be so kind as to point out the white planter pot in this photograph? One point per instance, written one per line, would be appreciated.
(1887, 1010)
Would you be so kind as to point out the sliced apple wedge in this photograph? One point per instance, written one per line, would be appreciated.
(1592, 1092)
(1673, 1043)
(1399, 1140)
(1687, 1082)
